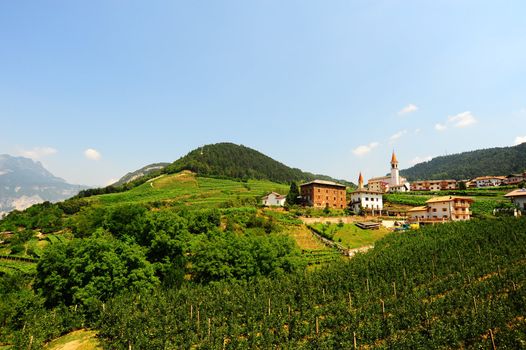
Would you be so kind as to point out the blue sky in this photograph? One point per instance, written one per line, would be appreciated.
(95, 89)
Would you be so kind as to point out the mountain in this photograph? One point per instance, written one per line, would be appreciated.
(467, 165)
(144, 171)
(24, 182)
(237, 161)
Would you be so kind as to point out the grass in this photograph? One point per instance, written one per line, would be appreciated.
(351, 236)
(185, 189)
(11, 266)
(78, 340)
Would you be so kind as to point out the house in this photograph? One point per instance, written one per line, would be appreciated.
(321, 194)
(441, 209)
(392, 183)
(365, 199)
(274, 199)
(487, 181)
(514, 179)
(434, 185)
(518, 197)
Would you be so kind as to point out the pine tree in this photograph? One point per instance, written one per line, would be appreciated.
(293, 195)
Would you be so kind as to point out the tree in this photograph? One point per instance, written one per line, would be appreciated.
(462, 185)
(293, 197)
(91, 270)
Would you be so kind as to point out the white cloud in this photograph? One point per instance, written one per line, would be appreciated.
(38, 152)
(440, 127)
(396, 136)
(462, 120)
(519, 140)
(417, 131)
(92, 154)
(419, 159)
(410, 108)
(364, 149)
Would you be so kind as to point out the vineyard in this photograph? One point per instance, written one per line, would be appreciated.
(459, 285)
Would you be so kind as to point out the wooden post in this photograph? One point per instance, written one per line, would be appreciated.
(492, 339)
(354, 340)
(191, 311)
(367, 281)
(317, 326)
(475, 304)
(30, 342)
(350, 301)
(289, 311)
(394, 289)
(269, 306)
(129, 345)
(197, 319)
(383, 306)
(209, 328)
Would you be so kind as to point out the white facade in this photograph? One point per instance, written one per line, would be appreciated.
(274, 199)
(518, 197)
(447, 208)
(488, 181)
(368, 200)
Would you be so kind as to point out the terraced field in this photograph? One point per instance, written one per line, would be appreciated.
(187, 189)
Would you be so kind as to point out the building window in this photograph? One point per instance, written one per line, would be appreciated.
(434, 209)
(444, 209)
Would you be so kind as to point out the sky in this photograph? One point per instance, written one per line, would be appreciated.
(95, 89)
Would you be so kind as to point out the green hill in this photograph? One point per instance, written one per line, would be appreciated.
(467, 165)
(237, 161)
(186, 189)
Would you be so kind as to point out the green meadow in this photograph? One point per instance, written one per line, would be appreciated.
(186, 189)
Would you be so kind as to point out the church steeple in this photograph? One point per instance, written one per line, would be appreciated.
(394, 161)
(395, 176)
(360, 181)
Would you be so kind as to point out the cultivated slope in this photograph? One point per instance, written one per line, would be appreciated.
(185, 189)
(467, 165)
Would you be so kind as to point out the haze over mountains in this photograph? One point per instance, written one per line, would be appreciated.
(24, 182)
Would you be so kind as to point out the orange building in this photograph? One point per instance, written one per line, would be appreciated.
(321, 194)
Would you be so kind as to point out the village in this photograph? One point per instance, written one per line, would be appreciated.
(368, 200)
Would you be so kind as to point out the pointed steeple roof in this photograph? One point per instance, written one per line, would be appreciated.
(393, 158)
(360, 181)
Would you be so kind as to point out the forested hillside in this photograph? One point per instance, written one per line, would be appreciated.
(467, 165)
(237, 161)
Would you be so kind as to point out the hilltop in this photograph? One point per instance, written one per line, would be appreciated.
(467, 165)
(237, 161)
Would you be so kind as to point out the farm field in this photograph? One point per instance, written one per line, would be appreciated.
(77, 340)
(185, 189)
(405, 293)
(351, 236)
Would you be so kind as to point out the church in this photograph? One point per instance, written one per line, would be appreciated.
(391, 183)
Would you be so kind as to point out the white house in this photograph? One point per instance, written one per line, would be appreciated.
(274, 199)
(487, 181)
(441, 209)
(366, 199)
(518, 197)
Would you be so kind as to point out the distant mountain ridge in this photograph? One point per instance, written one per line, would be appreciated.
(468, 165)
(237, 161)
(137, 174)
(24, 182)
